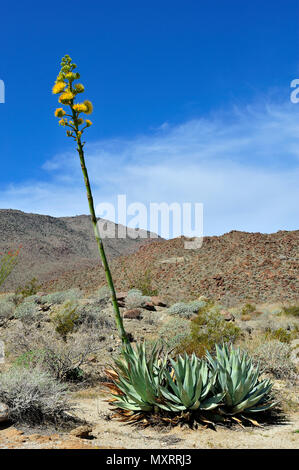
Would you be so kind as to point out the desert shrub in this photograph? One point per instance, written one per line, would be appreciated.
(6, 311)
(63, 359)
(279, 334)
(27, 311)
(103, 293)
(140, 280)
(136, 299)
(61, 297)
(29, 289)
(144, 283)
(292, 310)
(248, 309)
(33, 396)
(187, 310)
(274, 358)
(91, 316)
(65, 319)
(174, 332)
(208, 329)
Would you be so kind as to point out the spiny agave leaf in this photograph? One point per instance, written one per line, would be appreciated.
(212, 403)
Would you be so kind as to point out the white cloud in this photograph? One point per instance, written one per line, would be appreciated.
(243, 165)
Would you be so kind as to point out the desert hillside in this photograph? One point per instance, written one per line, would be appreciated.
(231, 268)
(52, 245)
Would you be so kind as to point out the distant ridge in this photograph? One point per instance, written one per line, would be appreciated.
(51, 245)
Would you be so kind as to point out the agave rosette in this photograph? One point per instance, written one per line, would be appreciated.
(238, 380)
(137, 379)
(190, 385)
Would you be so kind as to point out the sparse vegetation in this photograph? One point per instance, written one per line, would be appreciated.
(187, 309)
(65, 319)
(292, 310)
(208, 329)
(33, 396)
(28, 290)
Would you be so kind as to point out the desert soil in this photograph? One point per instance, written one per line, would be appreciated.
(110, 434)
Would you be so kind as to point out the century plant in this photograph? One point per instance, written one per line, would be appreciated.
(190, 385)
(238, 380)
(137, 379)
(143, 384)
(76, 125)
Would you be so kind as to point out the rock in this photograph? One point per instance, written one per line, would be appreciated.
(121, 303)
(149, 306)
(133, 314)
(227, 316)
(3, 412)
(81, 431)
(157, 302)
(121, 296)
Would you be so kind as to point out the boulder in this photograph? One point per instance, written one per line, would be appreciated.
(82, 431)
(133, 314)
(227, 316)
(158, 302)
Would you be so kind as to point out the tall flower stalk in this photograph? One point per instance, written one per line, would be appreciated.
(76, 124)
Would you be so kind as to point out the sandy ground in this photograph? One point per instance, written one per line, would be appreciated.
(110, 434)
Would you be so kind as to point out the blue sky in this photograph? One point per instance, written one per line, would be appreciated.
(191, 99)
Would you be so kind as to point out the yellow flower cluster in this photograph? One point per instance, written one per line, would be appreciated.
(66, 97)
(80, 108)
(67, 90)
(58, 88)
(60, 112)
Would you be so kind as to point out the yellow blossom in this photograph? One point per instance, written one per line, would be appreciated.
(80, 121)
(66, 97)
(88, 123)
(59, 112)
(62, 122)
(80, 108)
(58, 87)
(89, 107)
(79, 133)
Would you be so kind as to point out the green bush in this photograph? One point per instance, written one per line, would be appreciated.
(90, 315)
(27, 311)
(292, 310)
(65, 318)
(136, 299)
(279, 334)
(208, 329)
(174, 332)
(29, 289)
(58, 298)
(187, 309)
(248, 309)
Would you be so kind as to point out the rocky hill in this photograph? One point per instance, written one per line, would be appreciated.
(233, 268)
(51, 246)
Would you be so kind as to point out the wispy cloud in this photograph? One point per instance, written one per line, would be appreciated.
(242, 164)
